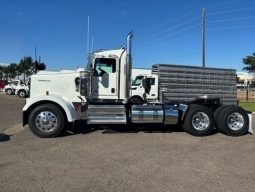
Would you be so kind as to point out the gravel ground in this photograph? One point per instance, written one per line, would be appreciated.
(142, 162)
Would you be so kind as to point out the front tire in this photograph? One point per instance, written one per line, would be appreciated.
(136, 101)
(46, 121)
(198, 121)
(234, 121)
(22, 93)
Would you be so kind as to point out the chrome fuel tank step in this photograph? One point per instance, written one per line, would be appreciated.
(147, 114)
(167, 114)
(106, 114)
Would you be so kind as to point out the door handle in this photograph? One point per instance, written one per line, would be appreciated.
(113, 90)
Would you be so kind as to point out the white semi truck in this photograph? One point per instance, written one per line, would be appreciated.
(18, 88)
(101, 94)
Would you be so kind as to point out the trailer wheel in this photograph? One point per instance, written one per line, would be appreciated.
(217, 114)
(198, 121)
(8, 91)
(22, 93)
(46, 120)
(234, 121)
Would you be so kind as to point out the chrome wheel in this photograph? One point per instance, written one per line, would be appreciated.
(200, 121)
(22, 94)
(9, 91)
(235, 121)
(46, 121)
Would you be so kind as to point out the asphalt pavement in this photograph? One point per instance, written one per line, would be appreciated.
(145, 161)
(10, 111)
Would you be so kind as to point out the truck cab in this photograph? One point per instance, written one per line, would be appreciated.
(138, 89)
(107, 76)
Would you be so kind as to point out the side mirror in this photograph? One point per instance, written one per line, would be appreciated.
(147, 85)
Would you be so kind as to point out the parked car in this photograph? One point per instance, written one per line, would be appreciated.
(3, 83)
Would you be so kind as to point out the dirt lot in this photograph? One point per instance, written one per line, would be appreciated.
(139, 162)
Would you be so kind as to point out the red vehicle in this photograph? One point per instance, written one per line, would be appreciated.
(3, 83)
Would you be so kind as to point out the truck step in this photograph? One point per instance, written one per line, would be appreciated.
(106, 114)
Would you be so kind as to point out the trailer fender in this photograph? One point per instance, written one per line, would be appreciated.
(68, 109)
(183, 108)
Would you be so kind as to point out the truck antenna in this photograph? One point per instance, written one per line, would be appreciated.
(92, 43)
(203, 37)
(88, 37)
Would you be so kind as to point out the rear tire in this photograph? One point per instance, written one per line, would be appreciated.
(217, 114)
(46, 120)
(198, 121)
(234, 121)
(8, 91)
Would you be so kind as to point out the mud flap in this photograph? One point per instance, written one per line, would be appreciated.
(250, 123)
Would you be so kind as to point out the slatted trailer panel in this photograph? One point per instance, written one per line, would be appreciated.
(185, 83)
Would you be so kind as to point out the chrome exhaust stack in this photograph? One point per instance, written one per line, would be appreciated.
(128, 63)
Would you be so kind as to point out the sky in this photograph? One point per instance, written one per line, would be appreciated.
(165, 31)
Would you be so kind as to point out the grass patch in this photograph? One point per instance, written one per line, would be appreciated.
(248, 106)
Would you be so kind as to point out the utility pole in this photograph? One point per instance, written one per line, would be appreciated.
(35, 54)
(203, 37)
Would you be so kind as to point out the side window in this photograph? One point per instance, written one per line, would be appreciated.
(152, 81)
(103, 65)
(138, 80)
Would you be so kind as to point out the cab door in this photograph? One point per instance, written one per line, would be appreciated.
(153, 88)
(104, 79)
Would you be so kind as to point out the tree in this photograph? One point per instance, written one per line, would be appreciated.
(1, 71)
(249, 61)
(25, 66)
(19, 70)
(13, 70)
(6, 71)
(38, 66)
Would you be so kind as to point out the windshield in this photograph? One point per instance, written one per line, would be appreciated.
(138, 80)
(15, 83)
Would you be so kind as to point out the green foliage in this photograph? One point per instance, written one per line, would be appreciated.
(9, 71)
(247, 105)
(237, 79)
(26, 66)
(249, 61)
(38, 66)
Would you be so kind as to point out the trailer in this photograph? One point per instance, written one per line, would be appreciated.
(101, 95)
(184, 83)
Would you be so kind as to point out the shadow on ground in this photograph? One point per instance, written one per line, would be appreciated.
(4, 137)
(80, 127)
